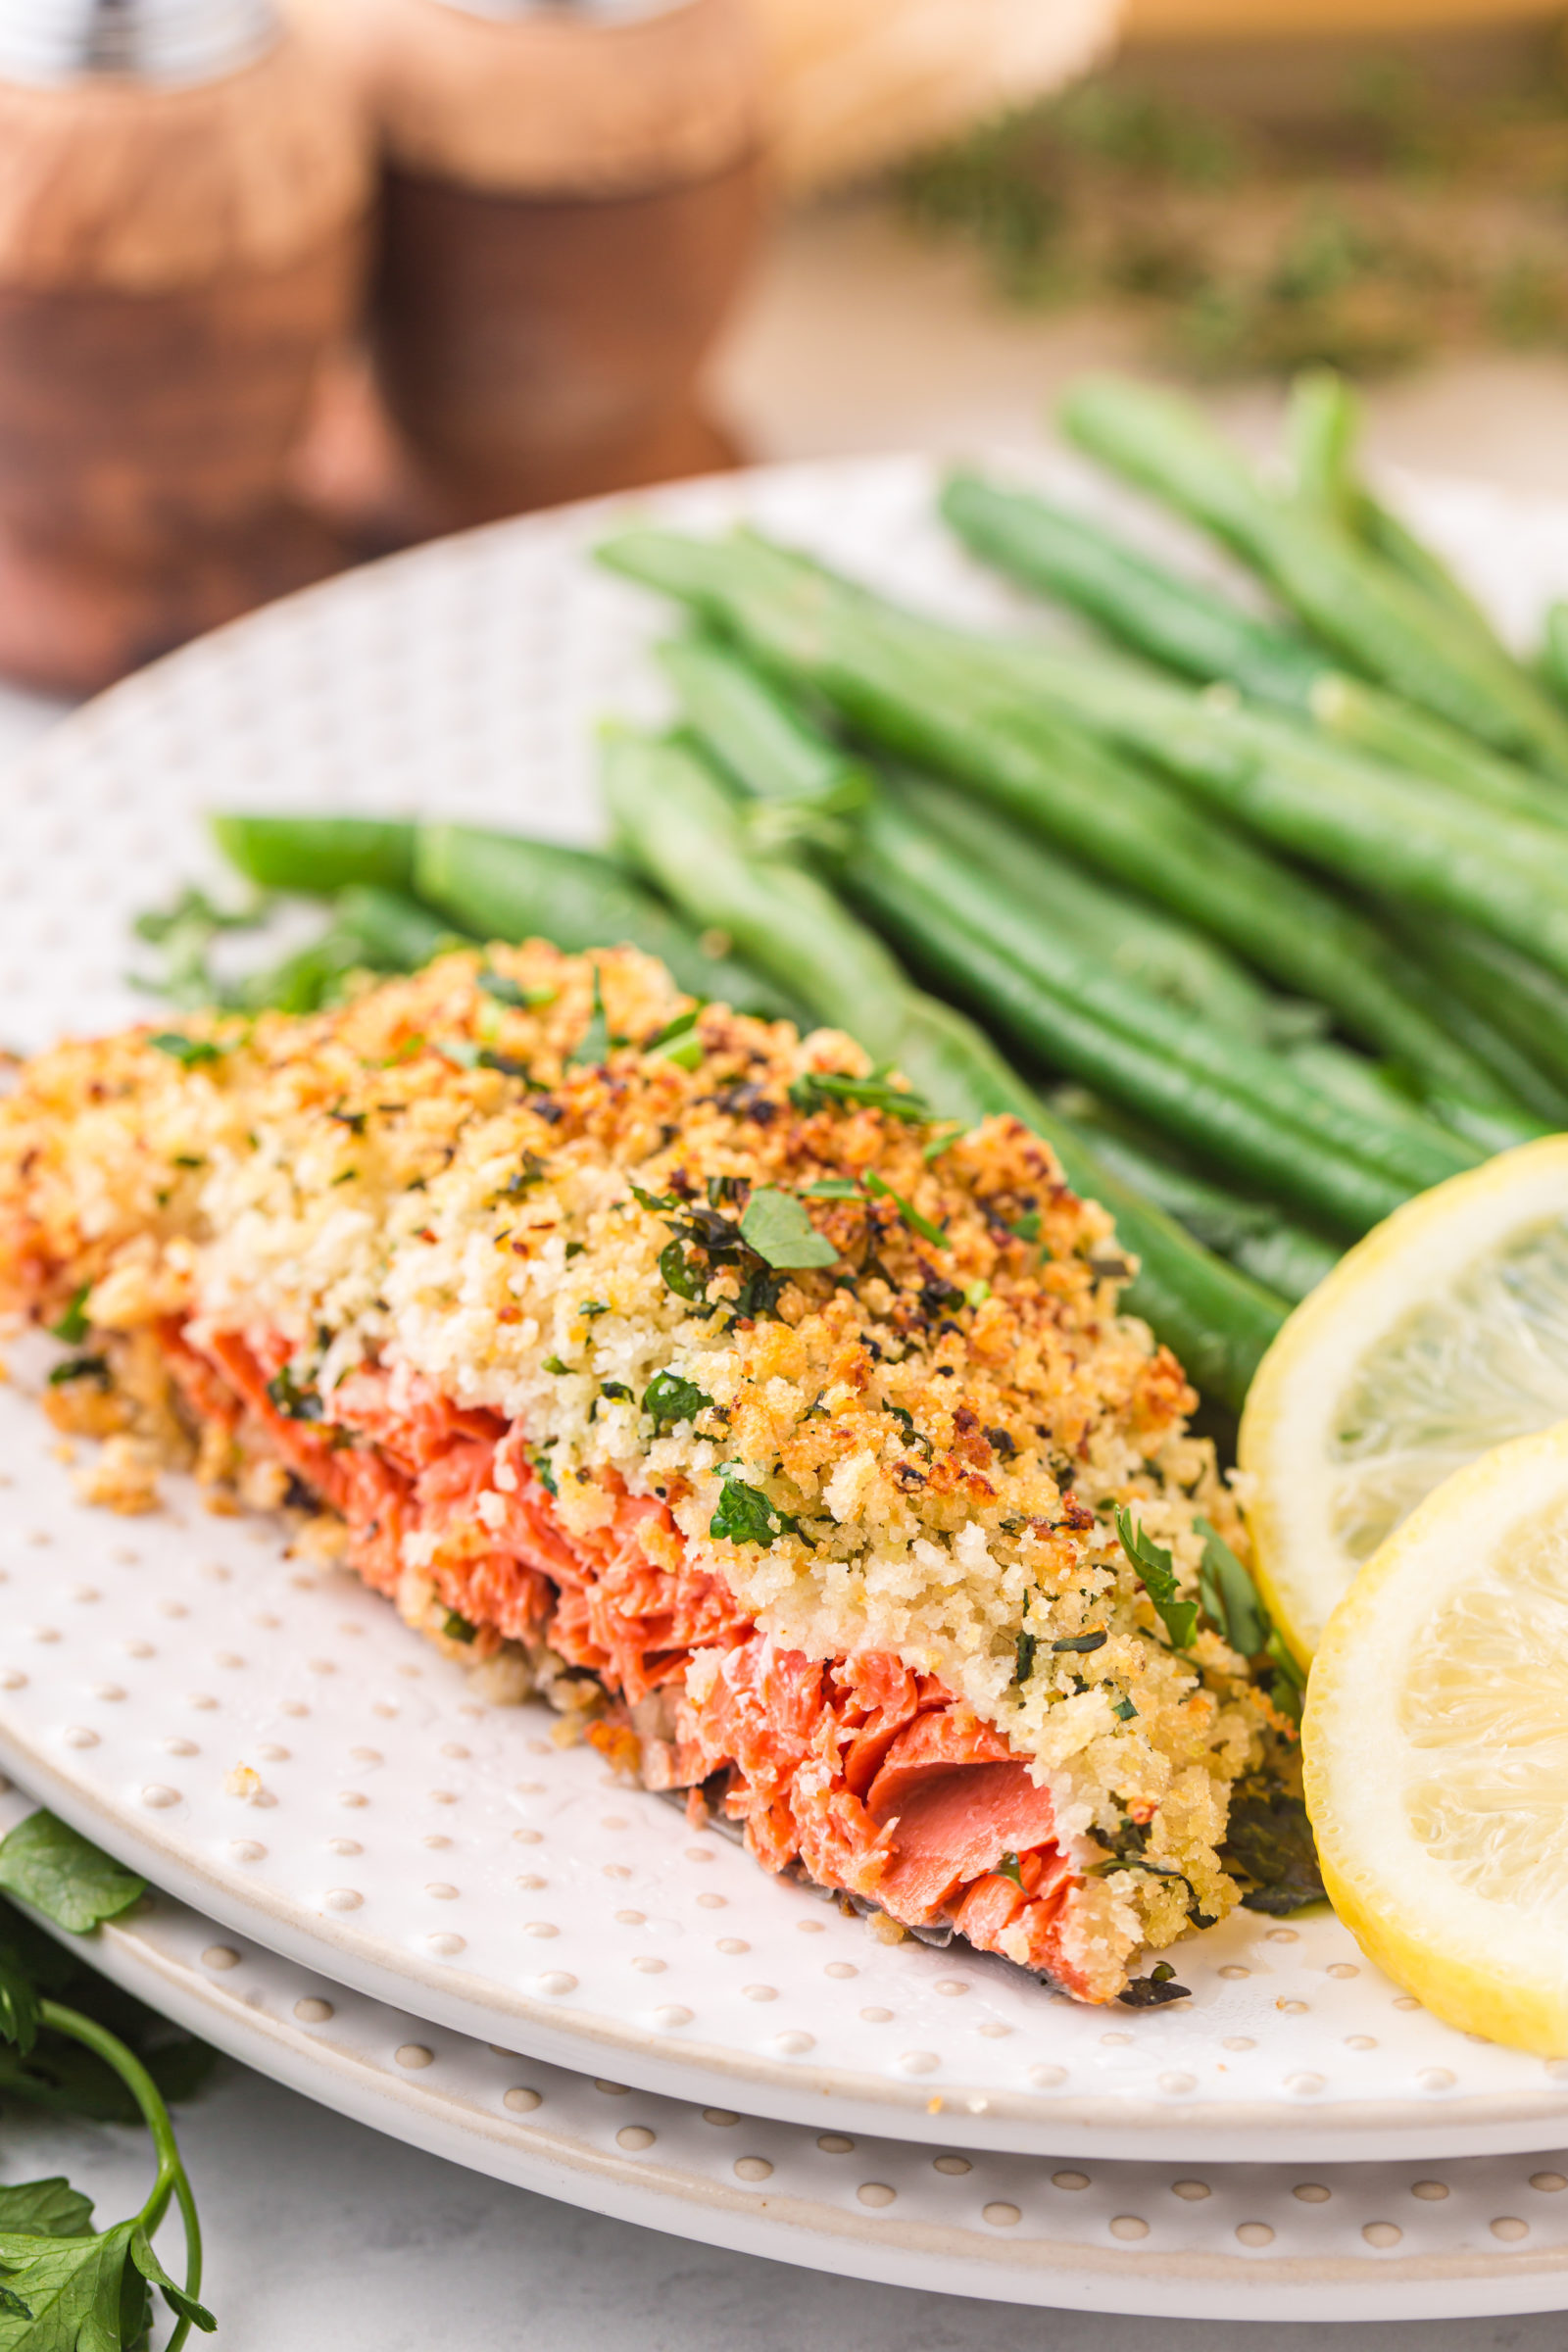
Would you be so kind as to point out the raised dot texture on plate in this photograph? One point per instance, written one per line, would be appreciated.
(467, 679)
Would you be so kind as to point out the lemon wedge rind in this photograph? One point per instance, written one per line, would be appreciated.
(1292, 1492)
(1404, 1723)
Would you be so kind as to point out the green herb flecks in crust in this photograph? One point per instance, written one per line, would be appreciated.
(1155, 1566)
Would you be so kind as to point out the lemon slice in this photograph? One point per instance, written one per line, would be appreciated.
(1436, 1749)
(1442, 1334)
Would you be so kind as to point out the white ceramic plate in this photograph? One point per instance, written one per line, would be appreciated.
(1364, 2241)
(448, 1857)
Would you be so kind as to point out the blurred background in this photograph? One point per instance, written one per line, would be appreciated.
(288, 283)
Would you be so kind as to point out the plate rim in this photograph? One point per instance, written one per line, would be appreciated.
(1089, 2124)
(807, 2233)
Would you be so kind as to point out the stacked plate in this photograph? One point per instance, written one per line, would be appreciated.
(422, 1908)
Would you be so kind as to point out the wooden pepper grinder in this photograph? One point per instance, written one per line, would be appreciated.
(571, 195)
(183, 199)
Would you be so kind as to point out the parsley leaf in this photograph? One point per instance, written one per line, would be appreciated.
(911, 1216)
(778, 1229)
(592, 1047)
(552, 1363)
(658, 1205)
(1289, 1680)
(824, 1089)
(56, 1872)
(188, 1051)
(1082, 1643)
(506, 990)
(679, 1042)
(1155, 1989)
(1268, 1840)
(458, 1629)
(73, 1326)
(1025, 1649)
(670, 1400)
(81, 1367)
(1229, 1596)
(64, 2287)
(833, 1188)
(294, 1403)
(745, 1515)
(1157, 1573)
(1007, 1868)
(44, 2209)
(680, 1275)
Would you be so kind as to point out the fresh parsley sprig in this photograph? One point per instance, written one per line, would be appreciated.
(65, 2287)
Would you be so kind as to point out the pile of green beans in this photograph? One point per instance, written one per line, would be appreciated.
(1282, 896)
(1259, 916)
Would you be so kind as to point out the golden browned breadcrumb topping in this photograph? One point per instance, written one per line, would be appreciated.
(506, 1175)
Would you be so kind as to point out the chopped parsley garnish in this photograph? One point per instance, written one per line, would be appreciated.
(1268, 1839)
(680, 1275)
(658, 1205)
(543, 1471)
(1082, 1643)
(1027, 1227)
(1007, 1868)
(294, 1403)
(552, 1363)
(822, 1090)
(902, 1415)
(511, 991)
(458, 1629)
(1124, 1710)
(593, 1309)
(1157, 1573)
(778, 1229)
(745, 1515)
(669, 1399)
(188, 1051)
(678, 1042)
(911, 1216)
(1154, 1990)
(615, 1388)
(506, 1064)
(1229, 1596)
(73, 1326)
(1289, 1680)
(593, 1045)
(528, 1173)
(834, 1188)
(81, 1367)
(1026, 1647)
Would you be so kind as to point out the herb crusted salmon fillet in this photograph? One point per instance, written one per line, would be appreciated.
(677, 1365)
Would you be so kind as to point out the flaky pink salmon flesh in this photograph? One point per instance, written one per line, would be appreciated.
(871, 1777)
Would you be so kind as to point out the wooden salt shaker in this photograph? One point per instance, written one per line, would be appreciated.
(571, 195)
(184, 196)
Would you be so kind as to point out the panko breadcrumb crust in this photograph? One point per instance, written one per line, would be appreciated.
(436, 1180)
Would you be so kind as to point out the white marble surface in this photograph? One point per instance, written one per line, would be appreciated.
(325, 2237)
